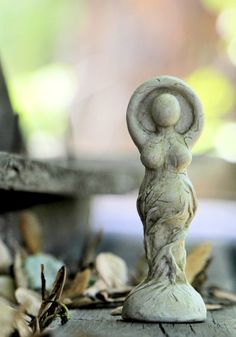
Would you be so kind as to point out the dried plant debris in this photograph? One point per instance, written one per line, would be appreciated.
(197, 261)
(21, 278)
(212, 307)
(89, 248)
(79, 284)
(196, 271)
(117, 311)
(41, 311)
(36, 291)
(29, 300)
(5, 258)
(7, 287)
(31, 232)
(221, 296)
(11, 320)
(20, 305)
(112, 270)
(51, 306)
(112, 275)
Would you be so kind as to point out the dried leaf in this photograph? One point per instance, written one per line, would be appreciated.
(222, 294)
(89, 249)
(112, 274)
(81, 302)
(6, 318)
(42, 334)
(31, 232)
(67, 300)
(112, 270)
(96, 288)
(88, 303)
(105, 296)
(7, 287)
(58, 285)
(11, 320)
(116, 293)
(29, 300)
(43, 283)
(79, 284)
(51, 306)
(197, 261)
(18, 269)
(22, 327)
(212, 307)
(117, 311)
(5, 258)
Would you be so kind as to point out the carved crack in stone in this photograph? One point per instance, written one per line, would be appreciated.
(163, 330)
(192, 329)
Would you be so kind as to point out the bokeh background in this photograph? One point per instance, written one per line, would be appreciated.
(72, 66)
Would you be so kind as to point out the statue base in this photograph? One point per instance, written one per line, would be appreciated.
(152, 301)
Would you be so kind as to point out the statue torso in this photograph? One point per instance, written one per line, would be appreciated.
(166, 158)
(166, 153)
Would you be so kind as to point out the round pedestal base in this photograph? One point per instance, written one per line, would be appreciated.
(157, 302)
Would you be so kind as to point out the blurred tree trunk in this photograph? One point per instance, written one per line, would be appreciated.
(11, 139)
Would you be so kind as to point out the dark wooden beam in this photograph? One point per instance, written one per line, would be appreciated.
(11, 139)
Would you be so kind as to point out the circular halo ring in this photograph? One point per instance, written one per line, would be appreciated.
(191, 108)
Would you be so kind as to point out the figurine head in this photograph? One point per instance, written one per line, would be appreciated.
(165, 110)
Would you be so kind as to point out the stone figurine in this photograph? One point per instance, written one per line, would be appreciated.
(165, 119)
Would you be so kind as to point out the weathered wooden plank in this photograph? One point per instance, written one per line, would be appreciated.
(95, 322)
(100, 322)
(88, 177)
(22, 174)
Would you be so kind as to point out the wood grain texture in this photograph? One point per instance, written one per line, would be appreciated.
(22, 174)
(101, 323)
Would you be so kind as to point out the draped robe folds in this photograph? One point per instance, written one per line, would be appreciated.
(166, 205)
(164, 119)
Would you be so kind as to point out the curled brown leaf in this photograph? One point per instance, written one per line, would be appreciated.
(197, 261)
(31, 232)
(79, 284)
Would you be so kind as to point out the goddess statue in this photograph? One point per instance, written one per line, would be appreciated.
(165, 119)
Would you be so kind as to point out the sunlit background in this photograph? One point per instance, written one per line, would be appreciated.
(72, 66)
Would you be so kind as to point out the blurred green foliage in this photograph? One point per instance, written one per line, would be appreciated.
(28, 31)
(226, 141)
(226, 25)
(215, 90)
(42, 90)
(218, 5)
(43, 97)
(218, 98)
